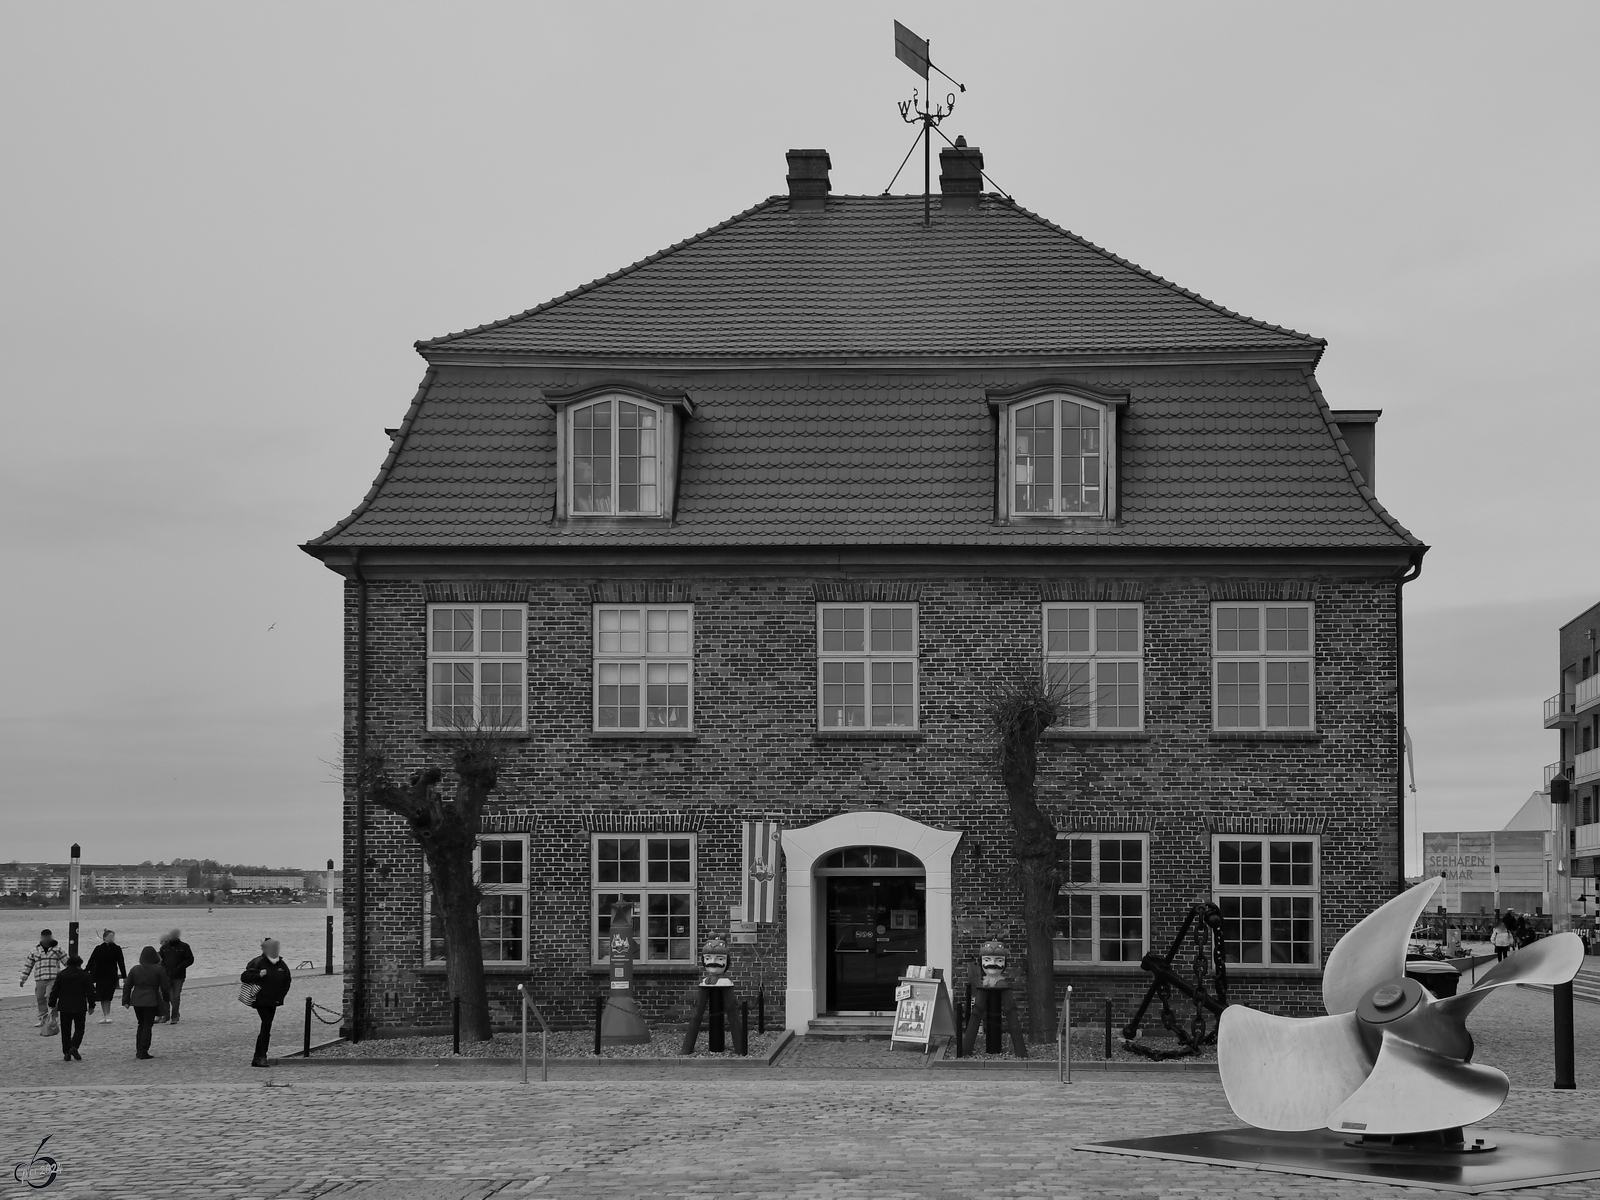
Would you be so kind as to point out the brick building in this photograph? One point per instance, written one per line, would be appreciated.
(735, 538)
(1573, 780)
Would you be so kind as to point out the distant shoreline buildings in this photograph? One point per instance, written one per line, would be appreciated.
(50, 879)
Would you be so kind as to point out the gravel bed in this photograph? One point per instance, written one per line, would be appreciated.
(665, 1042)
(1089, 1045)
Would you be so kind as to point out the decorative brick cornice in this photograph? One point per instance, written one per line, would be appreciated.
(853, 591)
(643, 822)
(509, 823)
(1124, 591)
(490, 591)
(641, 591)
(1263, 589)
(1118, 823)
(1265, 825)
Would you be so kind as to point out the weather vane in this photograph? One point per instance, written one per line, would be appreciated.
(922, 110)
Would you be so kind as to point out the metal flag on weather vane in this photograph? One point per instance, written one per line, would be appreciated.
(910, 49)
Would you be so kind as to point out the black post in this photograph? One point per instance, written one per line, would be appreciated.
(741, 1040)
(329, 969)
(993, 1022)
(306, 1052)
(716, 1045)
(961, 1024)
(1566, 1072)
(761, 1011)
(599, 1013)
(455, 1027)
(1108, 1029)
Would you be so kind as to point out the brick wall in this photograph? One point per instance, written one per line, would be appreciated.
(756, 756)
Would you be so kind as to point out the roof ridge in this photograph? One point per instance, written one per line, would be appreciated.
(1356, 477)
(585, 288)
(1151, 275)
(388, 462)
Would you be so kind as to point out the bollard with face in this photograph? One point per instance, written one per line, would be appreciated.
(992, 958)
(998, 1010)
(714, 964)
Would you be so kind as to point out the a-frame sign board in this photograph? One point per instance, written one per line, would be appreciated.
(923, 1012)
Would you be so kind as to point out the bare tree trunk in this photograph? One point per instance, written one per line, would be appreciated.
(1034, 845)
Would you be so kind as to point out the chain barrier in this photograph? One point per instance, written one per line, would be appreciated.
(333, 1018)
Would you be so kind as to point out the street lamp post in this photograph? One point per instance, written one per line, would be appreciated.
(74, 875)
(329, 969)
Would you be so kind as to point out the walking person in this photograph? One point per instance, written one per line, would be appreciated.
(146, 988)
(1502, 939)
(270, 973)
(177, 958)
(72, 996)
(44, 963)
(107, 969)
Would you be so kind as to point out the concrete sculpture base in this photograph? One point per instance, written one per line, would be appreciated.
(1519, 1159)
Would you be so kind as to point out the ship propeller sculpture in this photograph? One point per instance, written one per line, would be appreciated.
(1390, 1060)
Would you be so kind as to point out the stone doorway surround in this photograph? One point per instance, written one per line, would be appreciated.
(803, 847)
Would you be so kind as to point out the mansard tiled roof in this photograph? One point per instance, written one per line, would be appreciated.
(866, 279)
(1210, 457)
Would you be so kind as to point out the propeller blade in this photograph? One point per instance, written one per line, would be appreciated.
(1375, 949)
(1549, 961)
(1289, 1073)
(1414, 1090)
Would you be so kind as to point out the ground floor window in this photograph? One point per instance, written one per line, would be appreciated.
(1267, 888)
(655, 873)
(500, 865)
(1102, 905)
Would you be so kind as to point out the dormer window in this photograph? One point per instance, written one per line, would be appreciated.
(616, 458)
(1057, 458)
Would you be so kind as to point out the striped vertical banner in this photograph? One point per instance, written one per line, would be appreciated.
(760, 869)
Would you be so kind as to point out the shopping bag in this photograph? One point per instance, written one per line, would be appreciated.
(248, 993)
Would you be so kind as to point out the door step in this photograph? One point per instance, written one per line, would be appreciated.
(875, 1028)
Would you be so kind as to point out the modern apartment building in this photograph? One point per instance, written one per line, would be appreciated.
(1573, 780)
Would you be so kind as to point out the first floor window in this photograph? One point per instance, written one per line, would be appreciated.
(1102, 906)
(1093, 655)
(1263, 666)
(656, 874)
(477, 666)
(867, 666)
(1267, 888)
(500, 865)
(643, 667)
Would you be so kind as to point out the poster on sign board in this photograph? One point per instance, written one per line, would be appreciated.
(923, 1010)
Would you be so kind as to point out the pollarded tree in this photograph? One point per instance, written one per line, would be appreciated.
(1018, 712)
(445, 822)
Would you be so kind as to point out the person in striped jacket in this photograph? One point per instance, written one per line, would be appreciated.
(44, 963)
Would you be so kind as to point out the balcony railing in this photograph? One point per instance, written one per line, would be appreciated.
(1558, 710)
(1588, 693)
(1586, 839)
(1552, 771)
(1586, 767)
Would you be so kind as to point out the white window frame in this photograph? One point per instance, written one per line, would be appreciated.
(476, 659)
(523, 890)
(1096, 890)
(1057, 661)
(1013, 470)
(643, 659)
(869, 657)
(641, 892)
(1267, 891)
(614, 399)
(1265, 660)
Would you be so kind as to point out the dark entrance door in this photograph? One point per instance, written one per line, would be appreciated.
(876, 928)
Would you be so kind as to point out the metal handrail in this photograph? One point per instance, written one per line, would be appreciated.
(1560, 703)
(1586, 764)
(544, 1037)
(1588, 692)
(1554, 769)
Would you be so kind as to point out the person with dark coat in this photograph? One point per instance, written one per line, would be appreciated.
(270, 973)
(71, 997)
(177, 958)
(146, 988)
(107, 969)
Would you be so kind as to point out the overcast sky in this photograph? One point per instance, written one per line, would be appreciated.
(224, 226)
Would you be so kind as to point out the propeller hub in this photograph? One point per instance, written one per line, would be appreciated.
(1389, 1001)
(1386, 995)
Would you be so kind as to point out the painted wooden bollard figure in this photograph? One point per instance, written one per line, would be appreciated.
(997, 1009)
(621, 1023)
(715, 996)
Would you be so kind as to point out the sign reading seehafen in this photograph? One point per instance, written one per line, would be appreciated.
(1468, 863)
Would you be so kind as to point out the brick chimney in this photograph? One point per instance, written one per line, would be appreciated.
(960, 177)
(808, 180)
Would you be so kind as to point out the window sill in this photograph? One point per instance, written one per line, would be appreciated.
(488, 969)
(1260, 970)
(1096, 735)
(647, 968)
(608, 521)
(1085, 968)
(866, 735)
(1265, 735)
(1046, 521)
(667, 735)
(450, 735)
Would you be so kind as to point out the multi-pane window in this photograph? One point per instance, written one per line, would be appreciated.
(1102, 904)
(1093, 656)
(616, 457)
(477, 666)
(655, 873)
(500, 865)
(643, 667)
(1267, 890)
(1057, 457)
(867, 666)
(1264, 666)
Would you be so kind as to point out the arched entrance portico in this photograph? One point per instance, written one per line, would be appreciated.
(802, 850)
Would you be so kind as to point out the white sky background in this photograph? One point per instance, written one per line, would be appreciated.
(223, 227)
